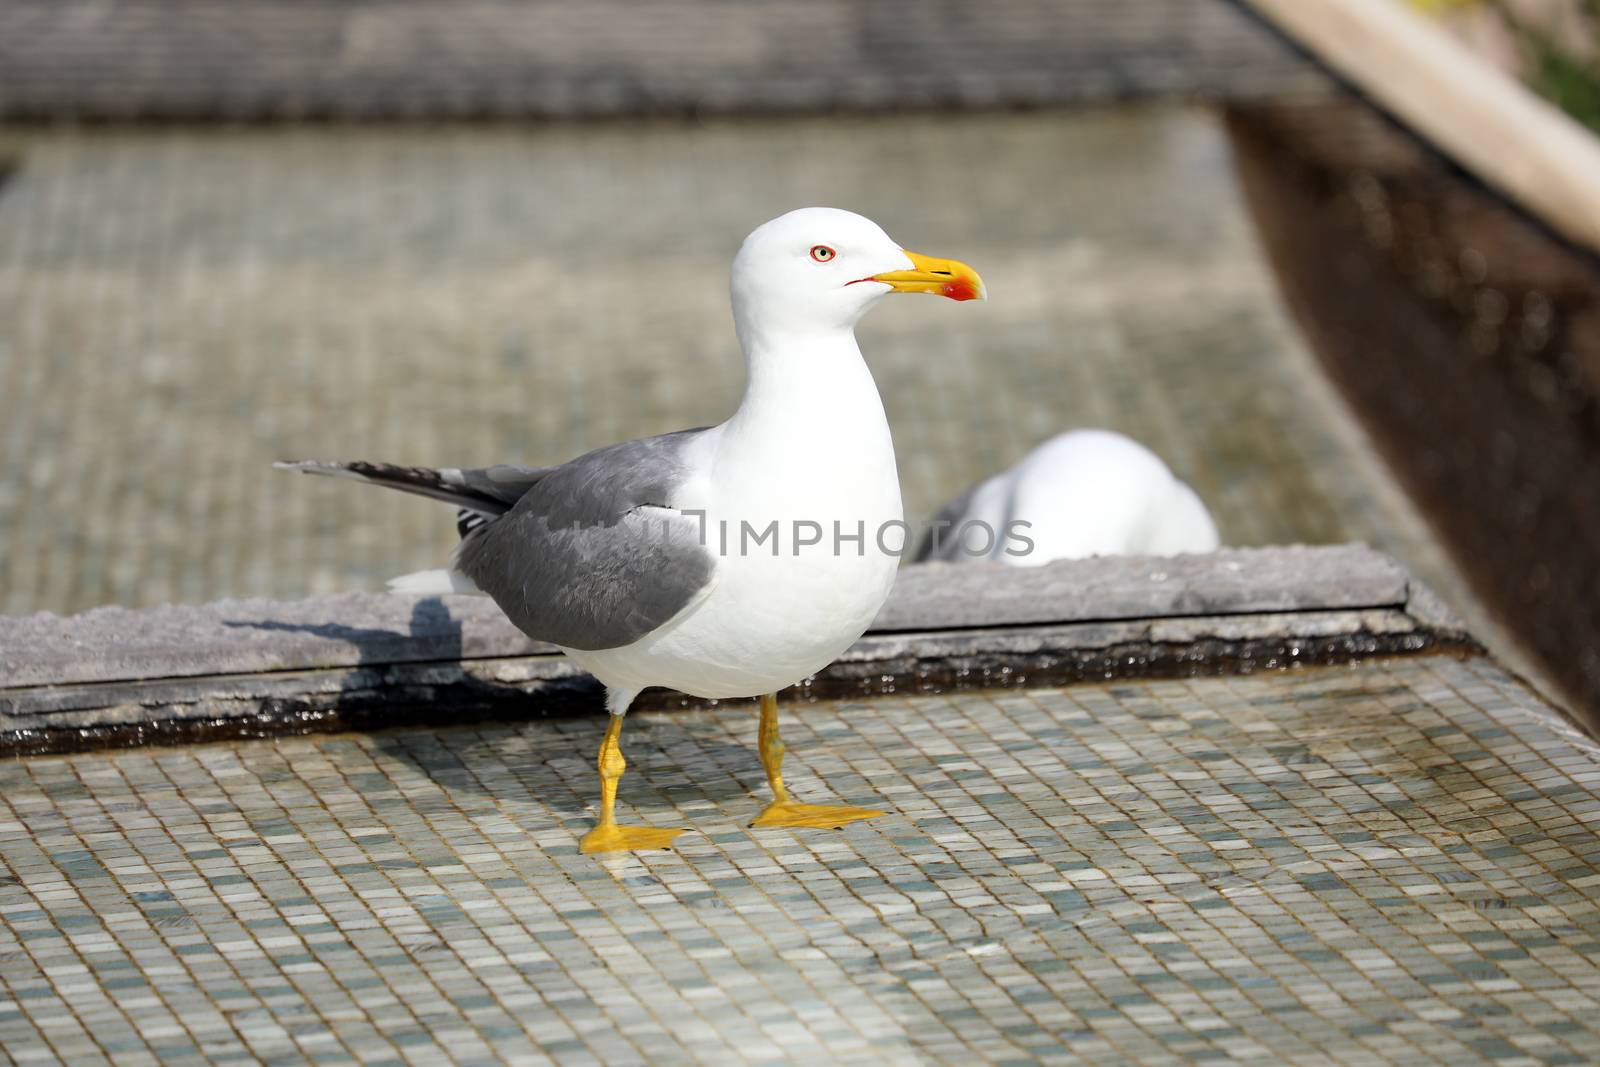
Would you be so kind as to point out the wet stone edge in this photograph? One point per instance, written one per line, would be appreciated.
(452, 694)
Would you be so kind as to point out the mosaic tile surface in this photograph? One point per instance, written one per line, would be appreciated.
(1392, 863)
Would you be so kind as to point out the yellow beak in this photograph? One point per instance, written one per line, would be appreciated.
(941, 277)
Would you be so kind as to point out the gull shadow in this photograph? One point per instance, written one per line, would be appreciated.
(431, 624)
(416, 677)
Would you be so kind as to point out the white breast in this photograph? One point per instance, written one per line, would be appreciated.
(779, 609)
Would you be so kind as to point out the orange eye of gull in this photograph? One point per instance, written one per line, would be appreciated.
(822, 253)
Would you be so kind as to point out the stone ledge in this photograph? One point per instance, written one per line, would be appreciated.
(355, 661)
(349, 629)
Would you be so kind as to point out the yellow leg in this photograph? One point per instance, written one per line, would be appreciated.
(607, 836)
(783, 811)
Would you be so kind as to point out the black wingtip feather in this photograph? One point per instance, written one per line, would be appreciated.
(422, 481)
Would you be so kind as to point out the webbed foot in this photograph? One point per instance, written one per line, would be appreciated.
(812, 816)
(614, 838)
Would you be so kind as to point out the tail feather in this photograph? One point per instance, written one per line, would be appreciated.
(488, 491)
(480, 495)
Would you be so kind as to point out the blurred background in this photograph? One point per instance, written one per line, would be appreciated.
(482, 231)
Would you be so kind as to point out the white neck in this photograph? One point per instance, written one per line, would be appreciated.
(815, 381)
(811, 423)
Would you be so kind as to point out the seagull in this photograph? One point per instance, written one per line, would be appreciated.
(1081, 493)
(728, 561)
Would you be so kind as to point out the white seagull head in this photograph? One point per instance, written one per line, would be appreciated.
(817, 270)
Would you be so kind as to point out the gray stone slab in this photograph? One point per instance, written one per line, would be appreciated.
(352, 629)
(243, 636)
(357, 661)
(869, 658)
(1287, 578)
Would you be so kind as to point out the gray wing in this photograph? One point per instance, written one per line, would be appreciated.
(591, 556)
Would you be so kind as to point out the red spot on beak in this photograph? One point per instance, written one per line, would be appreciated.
(959, 289)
